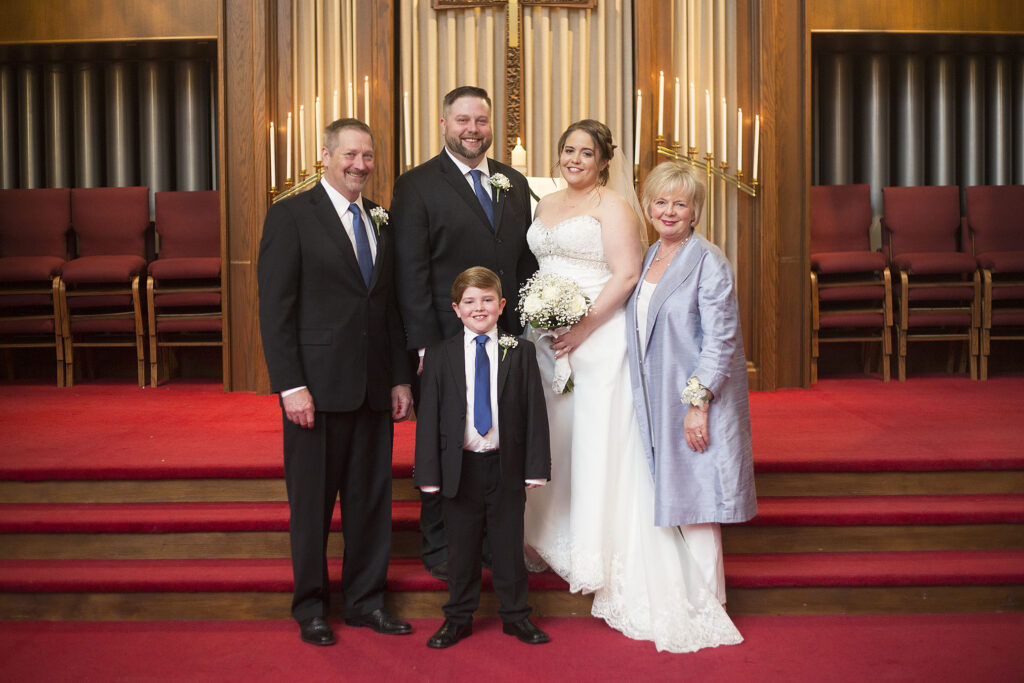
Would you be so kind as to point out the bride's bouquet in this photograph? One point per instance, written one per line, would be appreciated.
(552, 303)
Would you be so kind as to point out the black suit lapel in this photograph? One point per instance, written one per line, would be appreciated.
(500, 198)
(505, 357)
(382, 243)
(331, 224)
(455, 351)
(450, 172)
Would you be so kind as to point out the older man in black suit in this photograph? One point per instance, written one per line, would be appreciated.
(335, 350)
(457, 210)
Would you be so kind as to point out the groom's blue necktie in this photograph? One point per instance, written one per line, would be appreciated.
(363, 254)
(482, 388)
(483, 195)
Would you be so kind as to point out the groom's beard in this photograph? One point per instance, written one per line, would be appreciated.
(454, 143)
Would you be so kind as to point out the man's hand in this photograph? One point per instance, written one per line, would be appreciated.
(299, 408)
(401, 401)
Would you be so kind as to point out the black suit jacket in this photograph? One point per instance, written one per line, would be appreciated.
(322, 327)
(525, 450)
(441, 230)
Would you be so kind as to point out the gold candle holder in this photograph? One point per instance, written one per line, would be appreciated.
(692, 152)
(725, 166)
(288, 182)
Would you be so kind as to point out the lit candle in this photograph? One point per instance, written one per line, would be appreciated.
(317, 124)
(519, 157)
(757, 139)
(725, 135)
(335, 111)
(636, 144)
(302, 138)
(709, 133)
(273, 157)
(675, 123)
(408, 129)
(739, 140)
(661, 104)
(351, 100)
(366, 99)
(692, 113)
(288, 148)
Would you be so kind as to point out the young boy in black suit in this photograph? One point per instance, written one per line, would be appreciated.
(481, 441)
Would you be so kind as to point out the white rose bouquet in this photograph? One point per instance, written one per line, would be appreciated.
(552, 303)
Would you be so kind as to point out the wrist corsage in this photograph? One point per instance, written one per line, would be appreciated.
(499, 182)
(506, 342)
(696, 394)
(379, 217)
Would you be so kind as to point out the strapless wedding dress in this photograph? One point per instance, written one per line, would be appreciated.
(593, 523)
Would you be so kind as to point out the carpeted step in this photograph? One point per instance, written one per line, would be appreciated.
(943, 568)
(273, 516)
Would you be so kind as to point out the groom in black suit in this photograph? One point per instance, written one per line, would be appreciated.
(449, 214)
(335, 351)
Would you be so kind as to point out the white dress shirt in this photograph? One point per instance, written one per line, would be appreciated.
(464, 170)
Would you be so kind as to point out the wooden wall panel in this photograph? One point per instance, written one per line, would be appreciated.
(946, 16)
(55, 21)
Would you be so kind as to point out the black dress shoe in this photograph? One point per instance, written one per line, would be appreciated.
(381, 622)
(449, 634)
(525, 631)
(316, 631)
(440, 571)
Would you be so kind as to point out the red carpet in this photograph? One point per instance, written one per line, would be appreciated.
(925, 648)
(98, 431)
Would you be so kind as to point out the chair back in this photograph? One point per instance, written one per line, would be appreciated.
(995, 217)
(35, 222)
(920, 219)
(840, 218)
(188, 223)
(110, 220)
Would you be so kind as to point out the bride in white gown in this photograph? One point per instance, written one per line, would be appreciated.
(593, 524)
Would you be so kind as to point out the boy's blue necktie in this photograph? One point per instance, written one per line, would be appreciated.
(482, 388)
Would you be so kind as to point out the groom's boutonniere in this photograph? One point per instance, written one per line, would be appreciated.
(506, 342)
(379, 217)
(499, 182)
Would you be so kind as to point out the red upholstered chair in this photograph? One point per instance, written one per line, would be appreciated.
(102, 301)
(851, 290)
(33, 247)
(940, 287)
(995, 220)
(183, 288)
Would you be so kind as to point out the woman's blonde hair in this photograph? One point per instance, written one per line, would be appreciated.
(674, 176)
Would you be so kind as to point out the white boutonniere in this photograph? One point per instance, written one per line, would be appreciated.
(506, 342)
(696, 394)
(379, 217)
(499, 182)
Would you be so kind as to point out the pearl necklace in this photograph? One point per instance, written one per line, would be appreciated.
(659, 259)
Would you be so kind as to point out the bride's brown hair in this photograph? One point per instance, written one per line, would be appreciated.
(602, 137)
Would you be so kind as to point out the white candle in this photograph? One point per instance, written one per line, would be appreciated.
(757, 139)
(661, 104)
(675, 123)
(351, 101)
(739, 140)
(725, 134)
(317, 123)
(273, 157)
(302, 138)
(407, 123)
(636, 144)
(366, 99)
(288, 148)
(692, 113)
(709, 132)
(335, 111)
(519, 157)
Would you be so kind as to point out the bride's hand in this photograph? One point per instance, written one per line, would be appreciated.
(566, 343)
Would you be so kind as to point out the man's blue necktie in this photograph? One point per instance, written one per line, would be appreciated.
(482, 388)
(362, 245)
(483, 195)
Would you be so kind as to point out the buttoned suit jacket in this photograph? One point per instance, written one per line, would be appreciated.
(322, 327)
(441, 229)
(525, 449)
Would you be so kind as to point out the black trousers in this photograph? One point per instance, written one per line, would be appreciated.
(347, 453)
(484, 503)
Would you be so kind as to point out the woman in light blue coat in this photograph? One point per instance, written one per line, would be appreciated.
(689, 373)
